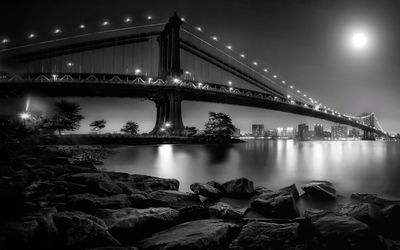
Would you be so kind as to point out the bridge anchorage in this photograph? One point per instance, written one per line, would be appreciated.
(146, 61)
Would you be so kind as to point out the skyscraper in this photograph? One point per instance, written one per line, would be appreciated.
(258, 130)
(303, 133)
(318, 131)
(339, 131)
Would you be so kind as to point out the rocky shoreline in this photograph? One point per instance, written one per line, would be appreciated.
(56, 198)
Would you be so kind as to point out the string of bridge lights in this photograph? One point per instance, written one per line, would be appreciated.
(58, 30)
(242, 56)
(297, 93)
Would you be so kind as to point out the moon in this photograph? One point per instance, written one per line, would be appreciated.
(359, 40)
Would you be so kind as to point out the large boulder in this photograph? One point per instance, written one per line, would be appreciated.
(78, 230)
(239, 188)
(367, 213)
(391, 226)
(266, 235)
(91, 202)
(320, 190)
(219, 210)
(372, 198)
(36, 231)
(173, 199)
(216, 185)
(225, 211)
(113, 248)
(98, 183)
(144, 182)
(205, 190)
(131, 224)
(279, 204)
(200, 234)
(342, 232)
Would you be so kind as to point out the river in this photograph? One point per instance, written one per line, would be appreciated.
(352, 166)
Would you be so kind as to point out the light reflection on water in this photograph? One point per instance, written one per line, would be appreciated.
(353, 166)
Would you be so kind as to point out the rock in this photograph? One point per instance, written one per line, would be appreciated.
(367, 213)
(173, 199)
(113, 248)
(225, 211)
(320, 190)
(261, 189)
(90, 202)
(79, 230)
(139, 200)
(131, 224)
(98, 183)
(279, 204)
(219, 210)
(391, 226)
(200, 234)
(216, 185)
(144, 182)
(29, 232)
(266, 235)
(239, 188)
(196, 212)
(372, 198)
(342, 232)
(205, 190)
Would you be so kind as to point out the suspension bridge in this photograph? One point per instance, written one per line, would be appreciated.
(165, 61)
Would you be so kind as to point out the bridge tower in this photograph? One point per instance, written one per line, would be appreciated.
(169, 113)
(369, 119)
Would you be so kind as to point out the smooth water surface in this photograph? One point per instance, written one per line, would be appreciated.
(353, 166)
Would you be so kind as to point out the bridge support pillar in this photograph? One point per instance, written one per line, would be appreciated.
(169, 115)
(368, 135)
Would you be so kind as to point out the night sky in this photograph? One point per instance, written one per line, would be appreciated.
(307, 42)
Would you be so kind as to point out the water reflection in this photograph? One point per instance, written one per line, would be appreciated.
(353, 166)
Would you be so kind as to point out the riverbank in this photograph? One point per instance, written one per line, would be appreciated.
(56, 198)
(119, 139)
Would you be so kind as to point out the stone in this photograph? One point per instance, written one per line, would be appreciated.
(173, 199)
(144, 182)
(98, 183)
(342, 232)
(391, 217)
(29, 232)
(225, 211)
(205, 190)
(372, 198)
(220, 210)
(131, 224)
(320, 190)
(216, 185)
(199, 234)
(79, 230)
(279, 204)
(239, 188)
(90, 202)
(266, 235)
(261, 189)
(367, 213)
(195, 212)
(113, 248)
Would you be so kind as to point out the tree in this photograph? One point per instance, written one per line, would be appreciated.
(98, 125)
(189, 131)
(131, 128)
(66, 116)
(219, 125)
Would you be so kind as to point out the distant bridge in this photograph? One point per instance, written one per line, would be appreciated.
(146, 61)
